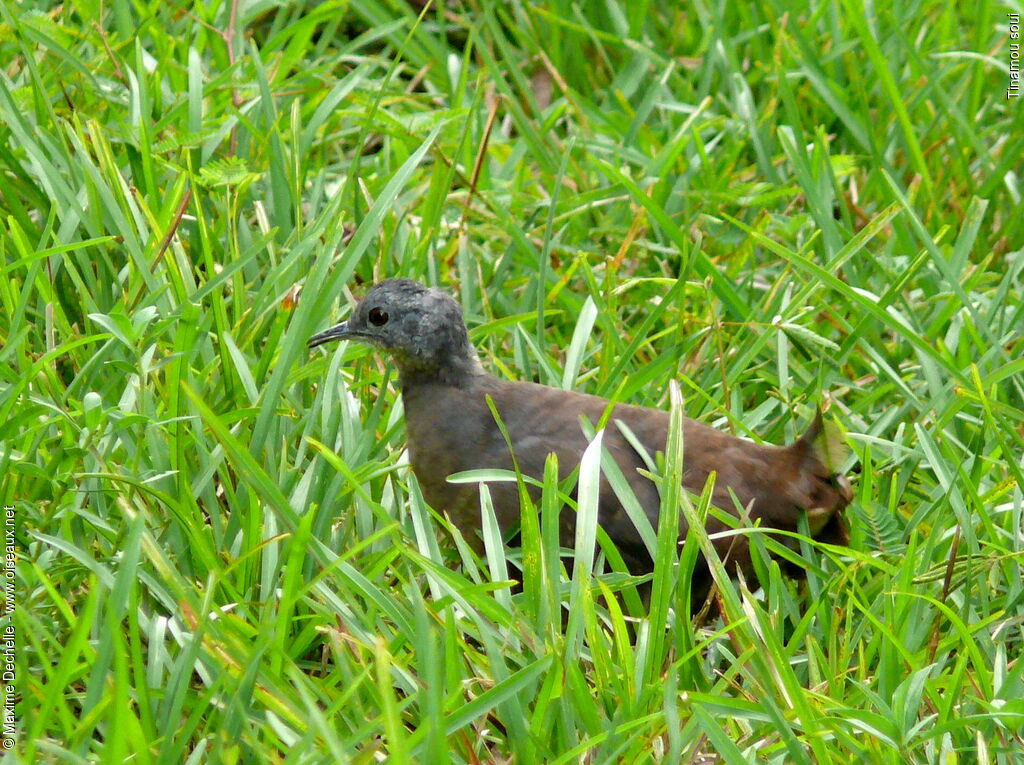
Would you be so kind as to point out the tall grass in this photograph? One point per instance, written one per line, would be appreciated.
(223, 556)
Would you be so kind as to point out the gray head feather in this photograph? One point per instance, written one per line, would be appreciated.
(420, 327)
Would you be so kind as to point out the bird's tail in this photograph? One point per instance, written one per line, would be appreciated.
(822, 490)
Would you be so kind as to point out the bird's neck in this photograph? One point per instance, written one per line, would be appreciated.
(460, 371)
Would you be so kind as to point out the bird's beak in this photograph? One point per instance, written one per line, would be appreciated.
(337, 332)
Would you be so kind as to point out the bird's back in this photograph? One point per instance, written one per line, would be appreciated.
(451, 429)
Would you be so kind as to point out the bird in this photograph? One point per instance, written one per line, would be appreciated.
(450, 428)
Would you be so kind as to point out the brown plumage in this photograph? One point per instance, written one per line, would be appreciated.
(451, 429)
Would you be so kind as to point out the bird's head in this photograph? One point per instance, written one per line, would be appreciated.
(420, 327)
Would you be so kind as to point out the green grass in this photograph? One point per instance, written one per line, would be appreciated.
(223, 556)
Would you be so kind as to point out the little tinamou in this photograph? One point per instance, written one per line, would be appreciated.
(451, 429)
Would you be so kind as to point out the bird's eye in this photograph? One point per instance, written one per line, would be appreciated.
(378, 317)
